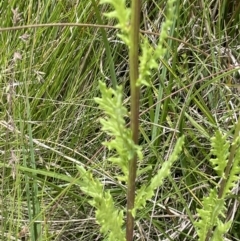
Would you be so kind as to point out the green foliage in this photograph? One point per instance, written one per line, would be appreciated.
(109, 218)
(161, 50)
(214, 207)
(146, 192)
(114, 125)
(122, 14)
(147, 63)
(150, 56)
(107, 215)
(220, 148)
(222, 228)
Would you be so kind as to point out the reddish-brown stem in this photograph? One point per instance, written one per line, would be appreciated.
(133, 62)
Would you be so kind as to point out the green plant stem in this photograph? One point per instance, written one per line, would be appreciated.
(133, 62)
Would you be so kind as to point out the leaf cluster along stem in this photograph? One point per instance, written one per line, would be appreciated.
(134, 74)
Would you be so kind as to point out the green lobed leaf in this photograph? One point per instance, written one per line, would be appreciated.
(220, 230)
(114, 125)
(213, 208)
(147, 63)
(220, 148)
(122, 14)
(146, 192)
(107, 215)
(88, 184)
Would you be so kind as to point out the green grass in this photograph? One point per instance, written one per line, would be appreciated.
(49, 121)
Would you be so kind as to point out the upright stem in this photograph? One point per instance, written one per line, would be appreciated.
(133, 62)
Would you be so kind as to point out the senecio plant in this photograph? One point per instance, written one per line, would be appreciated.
(124, 140)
